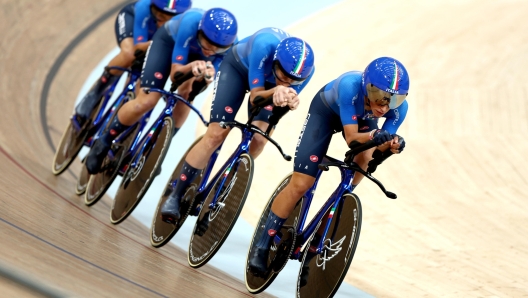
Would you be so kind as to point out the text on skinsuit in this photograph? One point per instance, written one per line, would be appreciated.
(121, 22)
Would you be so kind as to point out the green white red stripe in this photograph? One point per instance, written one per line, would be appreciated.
(300, 64)
(331, 212)
(172, 4)
(395, 78)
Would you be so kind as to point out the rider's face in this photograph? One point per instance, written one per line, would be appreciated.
(378, 110)
(161, 18)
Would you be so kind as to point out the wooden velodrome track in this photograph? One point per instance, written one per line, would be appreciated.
(457, 229)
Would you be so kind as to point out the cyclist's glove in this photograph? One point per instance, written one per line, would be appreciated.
(380, 136)
(401, 141)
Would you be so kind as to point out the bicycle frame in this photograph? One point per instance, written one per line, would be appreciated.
(204, 189)
(171, 99)
(102, 117)
(333, 202)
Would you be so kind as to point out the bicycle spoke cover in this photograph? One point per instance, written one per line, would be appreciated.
(328, 269)
(232, 193)
(279, 252)
(160, 231)
(137, 179)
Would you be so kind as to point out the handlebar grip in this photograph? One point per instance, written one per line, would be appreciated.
(278, 112)
(179, 78)
(357, 147)
(260, 101)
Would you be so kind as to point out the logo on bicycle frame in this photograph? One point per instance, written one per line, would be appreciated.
(330, 250)
(353, 236)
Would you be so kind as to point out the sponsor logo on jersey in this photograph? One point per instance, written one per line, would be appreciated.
(255, 81)
(272, 232)
(314, 158)
(269, 107)
(354, 117)
(179, 58)
(140, 38)
(158, 75)
(229, 109)
(183, 177)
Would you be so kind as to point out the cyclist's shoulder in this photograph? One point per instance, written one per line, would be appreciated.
(141, 6)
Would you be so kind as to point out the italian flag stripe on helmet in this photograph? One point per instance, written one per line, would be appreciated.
(172, 4)
(300, 63)
(395, 78)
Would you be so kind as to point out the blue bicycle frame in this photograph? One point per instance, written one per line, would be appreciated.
(333, 201)
(171, 99)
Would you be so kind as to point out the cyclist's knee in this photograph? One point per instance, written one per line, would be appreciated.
(128, 55)
(215, 135)
(257, 145)
(363, 158)
(145, 102)
(299, 184)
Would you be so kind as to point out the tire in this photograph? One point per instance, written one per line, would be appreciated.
(161, 232)
(328, 269)
(71, 144)
(99, 183)
(279, 253)
(231, 190)
(137, 180)
(82, 180)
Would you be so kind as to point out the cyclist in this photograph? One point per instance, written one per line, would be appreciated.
(351, 104)
(135, 25)
(267, 63)
(194, 41)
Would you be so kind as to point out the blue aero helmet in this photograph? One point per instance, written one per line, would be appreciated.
(295, 58)
(172, 6)
(219, 27)
(386, 81)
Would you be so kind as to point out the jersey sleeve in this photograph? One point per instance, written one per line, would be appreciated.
(394, 118)
(347, 96)
(256, 59)
(142, 12)
(182, 38)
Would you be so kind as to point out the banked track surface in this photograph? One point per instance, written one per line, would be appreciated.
(459, 225)
(46, 231)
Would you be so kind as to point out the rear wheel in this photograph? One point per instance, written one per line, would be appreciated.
(71, 143)
(279, 252)
(214, 224)
(161, 232)
(99, 183)
(137, 179)
(324, 273)
(82, 180)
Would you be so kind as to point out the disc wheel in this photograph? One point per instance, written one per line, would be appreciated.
(324, 273)
(214, 224)
(279, 252)
(82, 180)
(137, 179)
(162, 232)
(71, 143)
(99, 183)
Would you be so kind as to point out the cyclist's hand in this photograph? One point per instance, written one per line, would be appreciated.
(380, 136)
(282, 95)
(397, 144)
(293, 103)
(204, 69)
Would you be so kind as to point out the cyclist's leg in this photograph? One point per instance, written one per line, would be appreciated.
(155, 73)
(230, 88)
(124, 26)
(311, 148)
(364, 157)
(261, 121)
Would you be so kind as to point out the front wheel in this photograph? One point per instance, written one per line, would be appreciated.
(214, 224)
(281, 250)
(99, 183)
(137, 179)
(322, 274)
